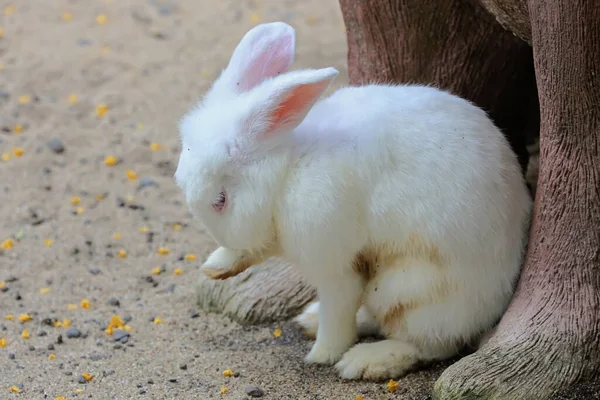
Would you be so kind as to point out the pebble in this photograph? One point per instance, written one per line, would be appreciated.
(11, 356)
(42, 333)
(254, 391)
(183, 367)
(113, 301)
(150, 381)
(194, 314)
(31, 348)
(59, 339)
(50, 346)
(56, 145)
(121, 336)
(173, 380)
(73, 333)
(147, 182)
(95, 271)
(81, 380)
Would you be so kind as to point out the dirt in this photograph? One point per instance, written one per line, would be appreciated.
(83, 81)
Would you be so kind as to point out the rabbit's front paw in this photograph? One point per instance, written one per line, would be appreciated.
(224, 263)
(322, 354)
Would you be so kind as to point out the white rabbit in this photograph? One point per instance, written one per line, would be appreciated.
(404, 205)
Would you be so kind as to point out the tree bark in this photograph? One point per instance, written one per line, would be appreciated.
(453, 44)
(549, 337)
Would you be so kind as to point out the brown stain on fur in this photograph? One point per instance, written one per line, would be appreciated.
(369, 260)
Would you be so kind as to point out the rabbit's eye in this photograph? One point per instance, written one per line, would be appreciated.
(219, 204)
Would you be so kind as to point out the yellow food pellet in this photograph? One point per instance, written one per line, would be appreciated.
(101, 110)
(1, 32)
(87, 376)
(79, 210)
(25, 334)
(9, 317)
(177, 227)
(61, 398)
(163, 251)
(127, 328)
(9, 10)
(143, 229)
(18, 128)
(72, 306)
(101, 19)
(48, 242)
(156, 271)
(391, 386)
(2, 343)
(177, 271)
(158, 320)
(155, 146)
(2, 284)
(122, 254)
(85, 303)
(8, 244)
(191, 257)
(57, 324)
(51, 356)
(67, 16)
(228, 372)
(66, 322)
(223, 389)
(24, 99)
(75, 200)
(45, 290)
(78, 390)
(25, 317)
(254, 18)
(277, 332)
(131, 174)
(5, 156)
(72, 99)
(18, 151)
(110, 161)
(100, 197)
(117, 236)
(359, 397)
(115, 323)
(14, 389)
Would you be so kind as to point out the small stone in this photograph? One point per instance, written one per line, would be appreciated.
(118, 346)
(173, 380)
(81, 380)
(113, 301)
(56, 145)
(73, 333)
(42, 333)
(142, 391)
(50, 346)
(254, 391)
(95, 271)
(121, 336)
(127, 318)
(11, 356)
(236, 374)
(194, 314)
(147, 182)
(59, 339)
(150, 381)
(31, 348)
(183, 367)
(96, 357)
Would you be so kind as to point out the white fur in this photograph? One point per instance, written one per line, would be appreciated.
(367, 166)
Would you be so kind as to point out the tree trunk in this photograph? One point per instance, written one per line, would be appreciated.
(550, 335)
(455, 45)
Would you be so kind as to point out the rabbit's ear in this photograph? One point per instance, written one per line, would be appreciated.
(291, 99)
(266, 51)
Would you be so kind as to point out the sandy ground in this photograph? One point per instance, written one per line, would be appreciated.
(147, 61)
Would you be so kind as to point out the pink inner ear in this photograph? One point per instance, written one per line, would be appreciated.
(295, 105)
(271, 62)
